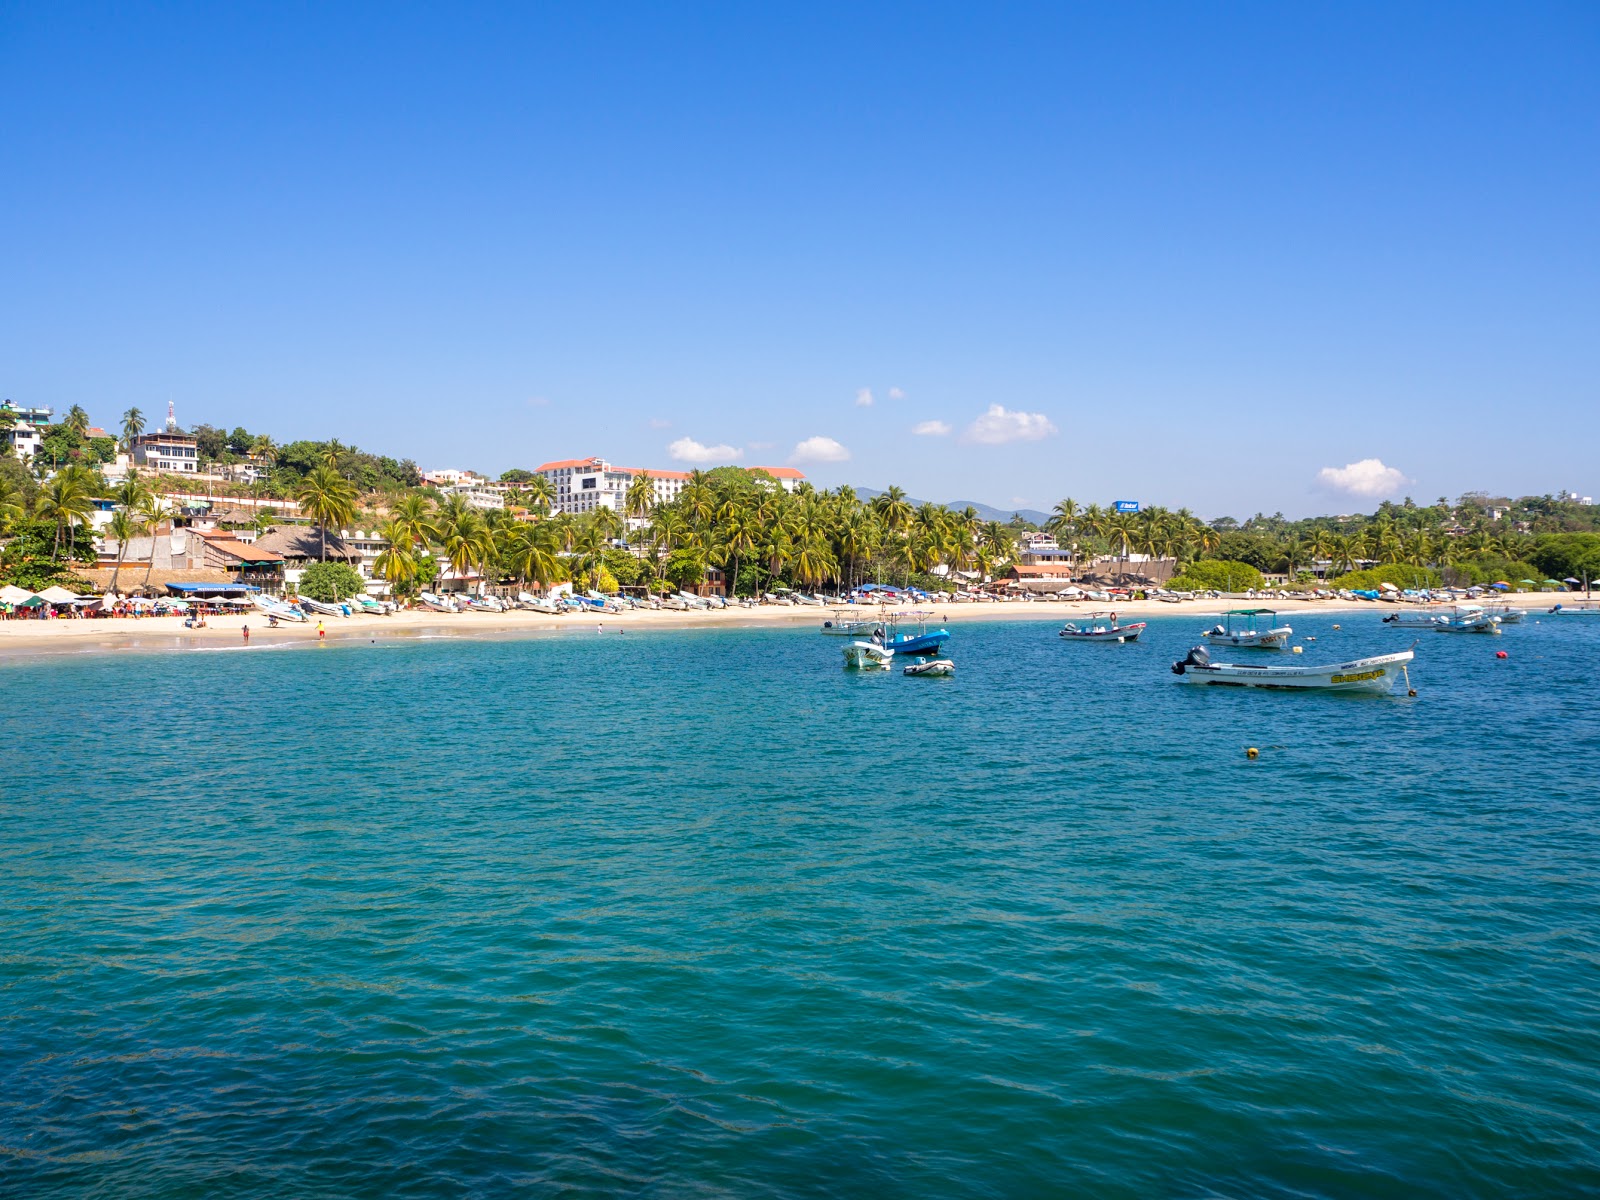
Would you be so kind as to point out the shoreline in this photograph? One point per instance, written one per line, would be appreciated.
(22, 641)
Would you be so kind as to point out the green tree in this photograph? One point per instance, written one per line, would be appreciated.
(328, 498)
(331, 582)
(132, 426)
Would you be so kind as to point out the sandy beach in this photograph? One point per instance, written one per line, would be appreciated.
(25, 639)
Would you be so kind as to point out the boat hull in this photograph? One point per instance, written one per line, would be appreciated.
(938, 668)
(919, 643)
(1376, 674)
(867, 656)
(1266, 639)
(1112, 633)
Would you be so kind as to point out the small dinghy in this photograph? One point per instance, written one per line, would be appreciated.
(1375, 674)
(867, 656)
(937, 667)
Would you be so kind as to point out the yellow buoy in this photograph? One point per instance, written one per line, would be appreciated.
(1252, 752)
(1336, 627)
(1299, 649)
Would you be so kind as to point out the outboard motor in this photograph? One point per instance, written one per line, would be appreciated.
(1198, 657)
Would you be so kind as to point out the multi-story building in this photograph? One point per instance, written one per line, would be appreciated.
(582, 485)
(25, 433)
(168, 449)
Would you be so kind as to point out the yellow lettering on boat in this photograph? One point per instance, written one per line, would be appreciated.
(1358, 677)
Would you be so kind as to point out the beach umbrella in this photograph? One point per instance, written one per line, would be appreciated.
(1535, 582)
(1570, 579)
(1504, 587)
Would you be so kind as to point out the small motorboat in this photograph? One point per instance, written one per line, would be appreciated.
(935, 667)
(1245, 628)
(844, 624)
(923, 641)
(436, 603)
(1101, 627)
(1467, 622)
(327, 610)
(1582, 608)
(1420, 619)
(867, 656)
(1375, 674)
(537, 604)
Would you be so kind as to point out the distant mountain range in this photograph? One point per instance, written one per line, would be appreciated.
(986, 512)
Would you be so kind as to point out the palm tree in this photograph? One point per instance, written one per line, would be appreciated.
(399, 563)
(67, 500)
(150, 511)
(640, 497)
(124, 526)
(541, 493)
(1063, 518)
(328, 498)
(132, 427)
(11, 502)
(532, 554)
(76, 419)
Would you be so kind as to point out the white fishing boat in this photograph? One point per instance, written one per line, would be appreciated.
(1101, 627)
(538, 604)
(1375, 674)
(845, 623)
(1469, 621)
(867, 656)
(1424, 618)
(281, 609)
(1578, 608)
(436, 603)
(327, 610)
(935, 668)
(1243, 628)
(1509, 614)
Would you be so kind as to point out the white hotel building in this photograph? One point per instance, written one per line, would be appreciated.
(582, 485)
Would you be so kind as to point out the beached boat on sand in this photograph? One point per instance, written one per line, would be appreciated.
(436, 603)
(1101, 627)
(327, 610)
(1375, 674)
(1244, 628)
(867, 656)
(281, 609)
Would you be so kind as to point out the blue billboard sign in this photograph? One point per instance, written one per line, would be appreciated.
(1127, 506)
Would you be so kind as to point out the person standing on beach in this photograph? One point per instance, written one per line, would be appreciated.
(321, 632)
(247, 635)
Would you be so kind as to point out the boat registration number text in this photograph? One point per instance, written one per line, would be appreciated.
(1358, 676)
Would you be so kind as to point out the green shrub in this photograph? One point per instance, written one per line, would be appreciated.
(1218, 574)
(331, 582)
(1401, 575)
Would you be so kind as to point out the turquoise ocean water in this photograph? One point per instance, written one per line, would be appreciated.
(696, 913)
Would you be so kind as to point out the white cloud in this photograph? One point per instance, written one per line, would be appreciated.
(896, 394)
(1001, 425)
(1369, 478)
(686, 449)
(819, 450)
(864, 398)
(931, 429)
(660, 423)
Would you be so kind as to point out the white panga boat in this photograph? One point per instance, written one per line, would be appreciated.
(867, 656)
(1242, 627)
(281, 609)
(1467, 621)
(1375, 674)
(1509, 614)
(538, 604)
(1101, 627)
(933, 667)
(844, 623)
(1422, 618)
(327, 610)
(437, 603)
(1581, 608)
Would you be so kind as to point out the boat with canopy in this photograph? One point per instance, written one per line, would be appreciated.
(1249, 628)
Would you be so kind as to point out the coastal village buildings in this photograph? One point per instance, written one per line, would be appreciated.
(582, 485)
(25, 434)
(168, 449)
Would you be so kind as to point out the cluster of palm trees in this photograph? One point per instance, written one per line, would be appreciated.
(66, 500)
(1158, 532)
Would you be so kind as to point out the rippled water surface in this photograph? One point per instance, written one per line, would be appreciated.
(698, 914)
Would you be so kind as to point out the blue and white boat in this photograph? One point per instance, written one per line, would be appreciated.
(923, 641)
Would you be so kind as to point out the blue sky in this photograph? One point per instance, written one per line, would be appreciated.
(1186, 254)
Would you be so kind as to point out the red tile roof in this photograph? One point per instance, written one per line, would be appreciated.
(780, 472)
(569, 462)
